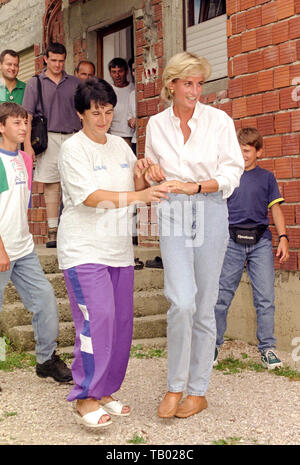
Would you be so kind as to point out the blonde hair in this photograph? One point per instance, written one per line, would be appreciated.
(181, 66)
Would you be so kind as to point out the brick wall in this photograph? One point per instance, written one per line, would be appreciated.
(264, 70)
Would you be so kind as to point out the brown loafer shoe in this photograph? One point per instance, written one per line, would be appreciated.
(190, 406)
(169, 404)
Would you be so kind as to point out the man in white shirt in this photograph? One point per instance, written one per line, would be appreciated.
(118, 70)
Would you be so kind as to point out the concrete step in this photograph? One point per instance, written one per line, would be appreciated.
(145, 279)
(49, 262)
(146, 303)
(147, 327)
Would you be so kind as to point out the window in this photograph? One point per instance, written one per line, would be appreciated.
(203, 10)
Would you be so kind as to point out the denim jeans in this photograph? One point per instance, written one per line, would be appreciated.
(38, 297)
(193, 240)
(260, 268)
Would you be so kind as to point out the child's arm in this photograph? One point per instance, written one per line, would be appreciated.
(283, 246)
(4, 259)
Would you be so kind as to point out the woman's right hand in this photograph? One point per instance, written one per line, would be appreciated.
(154, 193)
(155, 173)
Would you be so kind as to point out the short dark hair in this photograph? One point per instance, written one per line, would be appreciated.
(8, 52)
(11, 109)
(93, 90)
(86, 62)
(250, 136)
(56, 47)
(118, 62)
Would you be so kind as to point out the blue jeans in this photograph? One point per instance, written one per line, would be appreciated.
(260, 268)
(38, 297)
(193, 240)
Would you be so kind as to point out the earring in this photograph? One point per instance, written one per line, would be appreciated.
(172, 91)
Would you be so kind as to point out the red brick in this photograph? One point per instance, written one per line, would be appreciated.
(287, 53)
(159, 49)
(269, 13)
(266, 164)
(282, 122)
(289, 213)
(235, 87)
(239, 108)
(265, 124)
(285, 8)
(240, 65)
(245, 4)
(157, 12)
(152, 106)
(248, 41)
(271, 57)
(227, 107)
(264, 36)
(283, 168)
(249, 123)
(287, 99)
(260, 2)
(250, 84)
(272, 146)
(295, 73)
(297, 211)
(280, 32)
(296, 168)
(290, 264)
(270, 101)
(232, 6)
(238, 23)
(254, 105)
(149, 90)
(265, 80)
(294, 28)
(255, 62)
(281, 77)
(294, 237)
(297, 6)
(295, 119)
(237, 124)
(234, 45)
(253, 18)
(290, 144)
(291, 191)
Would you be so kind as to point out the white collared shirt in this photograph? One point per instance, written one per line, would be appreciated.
(211, 152)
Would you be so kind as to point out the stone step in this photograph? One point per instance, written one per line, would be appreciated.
(146, 303)
(49, 262)
(146, 327)
(145, 279)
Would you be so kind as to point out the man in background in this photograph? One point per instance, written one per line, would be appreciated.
(118, 70)
(85, 70)
(11, 88)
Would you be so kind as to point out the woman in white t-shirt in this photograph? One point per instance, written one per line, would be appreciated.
(194, 147)
(101, 179)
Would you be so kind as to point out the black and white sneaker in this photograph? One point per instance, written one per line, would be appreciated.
(270, 360)
(216, 357)
(55, 368)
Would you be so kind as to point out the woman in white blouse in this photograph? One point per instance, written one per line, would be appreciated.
(194, 148)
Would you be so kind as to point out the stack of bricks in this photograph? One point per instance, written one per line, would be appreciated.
(149, 68)
(263, 71)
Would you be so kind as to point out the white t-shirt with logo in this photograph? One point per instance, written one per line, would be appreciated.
(14, 200)
(119, 125)
(88, 234)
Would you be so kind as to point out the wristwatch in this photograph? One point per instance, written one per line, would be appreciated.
(284, 235)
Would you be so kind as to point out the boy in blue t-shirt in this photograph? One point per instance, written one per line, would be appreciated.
(251, 242)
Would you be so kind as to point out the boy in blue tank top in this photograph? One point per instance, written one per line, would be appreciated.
(251, 242)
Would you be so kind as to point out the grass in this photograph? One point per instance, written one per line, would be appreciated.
(139, 351)
(231, 441)
(16, 359)
(231, 366)
(137, 439)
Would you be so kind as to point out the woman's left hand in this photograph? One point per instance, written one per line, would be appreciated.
(179, 187)
(141, 166)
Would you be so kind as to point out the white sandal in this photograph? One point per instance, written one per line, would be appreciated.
(115, 407)
(90, 420)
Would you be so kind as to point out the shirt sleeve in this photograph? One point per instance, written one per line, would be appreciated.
(131, 106)
(149, 153)
(30, 96)
(274, 192)
(76, 173)
(230, 161)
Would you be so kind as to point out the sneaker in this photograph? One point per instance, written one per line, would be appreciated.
(54, 368)
(216, 357)
(270, 360)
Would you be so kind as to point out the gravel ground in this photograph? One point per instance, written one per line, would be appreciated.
(243, 408)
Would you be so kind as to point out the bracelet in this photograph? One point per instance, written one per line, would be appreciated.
(284, 235)
(199, 188)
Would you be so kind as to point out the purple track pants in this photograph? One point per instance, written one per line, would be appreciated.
(101, 299)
